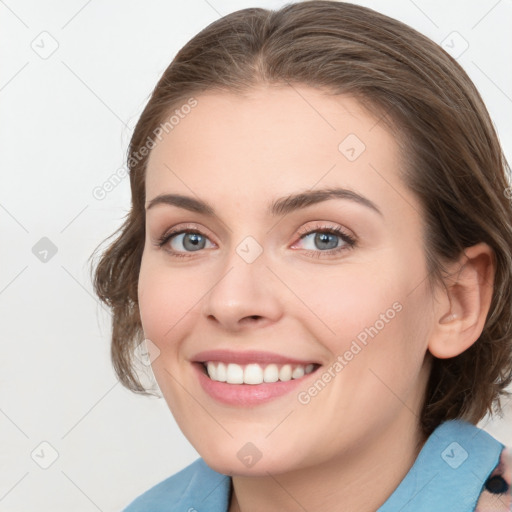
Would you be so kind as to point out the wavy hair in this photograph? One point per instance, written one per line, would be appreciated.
(455, 164)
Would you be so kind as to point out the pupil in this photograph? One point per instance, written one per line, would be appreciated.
(193, 241)
(322, 238)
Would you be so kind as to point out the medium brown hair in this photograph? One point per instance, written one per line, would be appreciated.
(455, 165)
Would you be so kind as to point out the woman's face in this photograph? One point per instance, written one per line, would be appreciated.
(299, 257)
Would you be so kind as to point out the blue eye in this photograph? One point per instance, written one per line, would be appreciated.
(327, 240)
(190, 241)
(184, 241)
(320, 242)
(323, 240)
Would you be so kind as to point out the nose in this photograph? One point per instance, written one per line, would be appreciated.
(243, 296)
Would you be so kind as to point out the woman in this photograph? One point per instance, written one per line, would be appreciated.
(318, 257)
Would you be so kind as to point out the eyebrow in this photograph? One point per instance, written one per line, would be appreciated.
(281, 206)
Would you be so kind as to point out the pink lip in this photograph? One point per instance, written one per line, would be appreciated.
(229, 356)
(245, 395)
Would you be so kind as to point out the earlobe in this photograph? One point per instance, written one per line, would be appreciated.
(465, 301)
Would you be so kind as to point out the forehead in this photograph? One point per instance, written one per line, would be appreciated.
(275, 140)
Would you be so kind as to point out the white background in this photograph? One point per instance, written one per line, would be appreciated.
(65, 125)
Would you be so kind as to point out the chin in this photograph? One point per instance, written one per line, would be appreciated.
(248, 460)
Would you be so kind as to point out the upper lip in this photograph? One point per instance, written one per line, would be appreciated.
(247, 357)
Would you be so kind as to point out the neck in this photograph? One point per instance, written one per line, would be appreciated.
(361, 480)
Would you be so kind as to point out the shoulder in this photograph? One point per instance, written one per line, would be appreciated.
(192, 487)
(496, 495)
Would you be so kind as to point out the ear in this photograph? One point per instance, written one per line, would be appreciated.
(463, 302)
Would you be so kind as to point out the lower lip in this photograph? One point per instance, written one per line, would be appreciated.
(245, 395)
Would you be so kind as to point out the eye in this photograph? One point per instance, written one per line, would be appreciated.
(325, 240)
(320, 241)
(179, 242)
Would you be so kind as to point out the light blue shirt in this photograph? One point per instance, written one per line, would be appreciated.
(448, 475)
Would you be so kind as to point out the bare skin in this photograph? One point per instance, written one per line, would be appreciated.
(348, 445)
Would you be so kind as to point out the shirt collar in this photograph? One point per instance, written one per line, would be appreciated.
(449, 472)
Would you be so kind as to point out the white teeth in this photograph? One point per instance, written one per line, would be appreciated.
(221, 373)
(271, 373)
(212, 370)
(254, 373)
(234, 374)
(285, 373)
(298, 372)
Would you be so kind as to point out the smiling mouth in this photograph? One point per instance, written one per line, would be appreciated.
(254, 373)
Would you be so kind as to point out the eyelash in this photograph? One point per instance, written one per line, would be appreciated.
(303, 232)
(332, 230)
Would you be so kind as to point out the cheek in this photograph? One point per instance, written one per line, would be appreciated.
(345, 304)
(377, 320)
(166, 305)
(383, 302)
(166, 299)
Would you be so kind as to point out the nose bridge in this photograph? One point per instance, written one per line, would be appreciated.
(243, 290)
